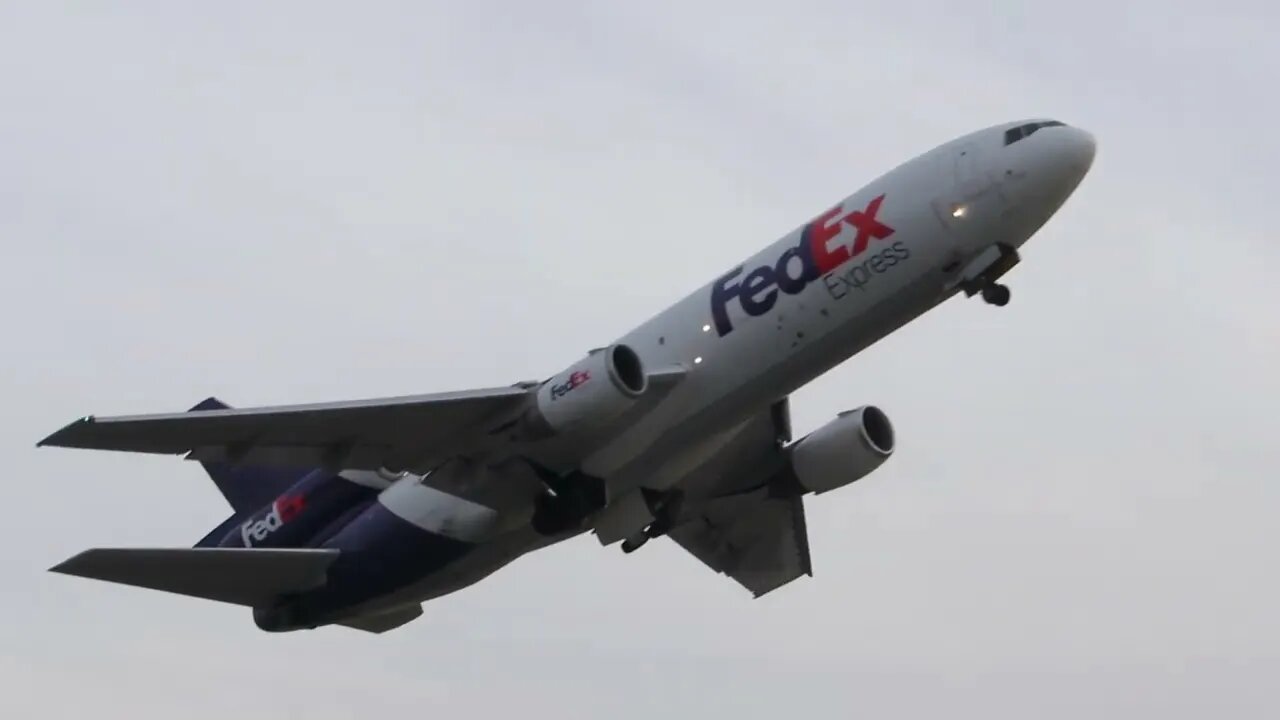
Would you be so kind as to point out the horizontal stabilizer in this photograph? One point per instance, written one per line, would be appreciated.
(231, 575)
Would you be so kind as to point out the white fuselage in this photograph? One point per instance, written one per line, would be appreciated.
(881, 257)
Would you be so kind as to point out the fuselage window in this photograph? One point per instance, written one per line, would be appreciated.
(1013, 135)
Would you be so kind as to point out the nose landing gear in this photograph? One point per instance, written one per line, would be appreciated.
(979, 276)
(996, 294)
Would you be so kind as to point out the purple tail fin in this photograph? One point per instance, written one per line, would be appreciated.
(246, 487)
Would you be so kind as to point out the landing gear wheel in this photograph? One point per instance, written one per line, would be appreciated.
(633, 544)
(996, 294)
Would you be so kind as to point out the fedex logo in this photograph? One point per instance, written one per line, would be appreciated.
(284, 509)
(579, 377)
(814, 257)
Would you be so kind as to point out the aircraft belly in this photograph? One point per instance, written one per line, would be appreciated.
(481, 562)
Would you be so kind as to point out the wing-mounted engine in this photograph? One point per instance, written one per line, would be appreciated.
(592, 391)
(843, 451)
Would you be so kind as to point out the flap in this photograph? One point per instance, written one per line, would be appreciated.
(758, 540)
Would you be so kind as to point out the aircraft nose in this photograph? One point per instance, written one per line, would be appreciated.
(1044, 167)
(1067, 155)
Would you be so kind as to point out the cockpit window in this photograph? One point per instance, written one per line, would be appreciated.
(1013, 135)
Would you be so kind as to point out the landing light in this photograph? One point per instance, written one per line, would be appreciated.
(706, 328)
(959, 211)
(697, 360)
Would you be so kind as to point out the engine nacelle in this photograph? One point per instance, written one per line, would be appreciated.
(843, 451)
(593, 390)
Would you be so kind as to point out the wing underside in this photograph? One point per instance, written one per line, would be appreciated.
(759, 541)
(415, 432)
(738, 524)
(365, 434)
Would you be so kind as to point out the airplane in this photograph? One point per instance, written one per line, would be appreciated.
(355, 513)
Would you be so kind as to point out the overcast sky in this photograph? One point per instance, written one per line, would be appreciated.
(301, 201)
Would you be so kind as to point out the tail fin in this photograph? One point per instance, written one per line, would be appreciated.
(247, 488)
(241, 577)
(214, 537)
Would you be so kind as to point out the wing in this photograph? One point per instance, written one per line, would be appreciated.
(742, 527)
(364, 434)
(758, 540)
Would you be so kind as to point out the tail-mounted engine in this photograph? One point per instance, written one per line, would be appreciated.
(843, 451)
